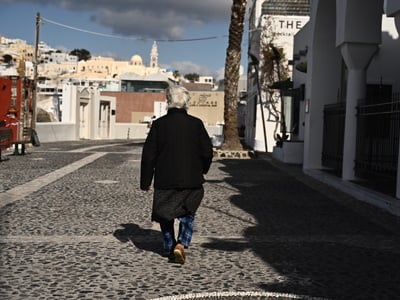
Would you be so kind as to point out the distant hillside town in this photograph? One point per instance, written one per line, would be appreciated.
(60, 65)
(100, 97)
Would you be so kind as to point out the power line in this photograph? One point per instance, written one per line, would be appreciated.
(44, 20)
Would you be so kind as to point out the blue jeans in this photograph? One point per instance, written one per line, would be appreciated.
(184, 235)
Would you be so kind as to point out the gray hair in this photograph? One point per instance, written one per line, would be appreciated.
(177, 97)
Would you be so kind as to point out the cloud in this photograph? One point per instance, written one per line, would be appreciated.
(220, 73)
(185, 67)
(152, 19)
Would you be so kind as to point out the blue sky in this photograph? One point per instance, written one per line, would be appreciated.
(136, 23)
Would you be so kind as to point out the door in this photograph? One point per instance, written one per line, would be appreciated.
(104, 120)
(84, 120)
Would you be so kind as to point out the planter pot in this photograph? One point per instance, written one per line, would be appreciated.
(291, 152)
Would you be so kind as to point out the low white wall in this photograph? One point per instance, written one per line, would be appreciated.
(140, 131)
(215, 130)
(130, 131)
(54, 132)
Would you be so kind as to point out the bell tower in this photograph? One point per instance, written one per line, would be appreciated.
(154, 56)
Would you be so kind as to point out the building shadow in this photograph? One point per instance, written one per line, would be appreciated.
(318, 246)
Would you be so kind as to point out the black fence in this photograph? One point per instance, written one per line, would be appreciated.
(333, 134)
(377, 150)
(378, 129)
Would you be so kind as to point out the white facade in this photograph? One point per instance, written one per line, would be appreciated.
(206, 79)
(85, 115)
(261, 121)
(59, 58)
(346, 52)
(346, 47)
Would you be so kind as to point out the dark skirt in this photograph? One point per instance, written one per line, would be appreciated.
(171, 204)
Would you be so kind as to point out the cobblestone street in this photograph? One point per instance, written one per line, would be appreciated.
(74, 225)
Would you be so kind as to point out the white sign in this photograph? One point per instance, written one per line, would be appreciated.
(285, 25)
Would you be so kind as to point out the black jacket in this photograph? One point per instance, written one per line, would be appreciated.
(177, 152)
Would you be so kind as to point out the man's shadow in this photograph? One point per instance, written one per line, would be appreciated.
(144, 239)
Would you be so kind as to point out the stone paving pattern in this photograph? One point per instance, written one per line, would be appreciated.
(262, 227)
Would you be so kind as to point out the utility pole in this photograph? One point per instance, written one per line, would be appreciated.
(35, 71)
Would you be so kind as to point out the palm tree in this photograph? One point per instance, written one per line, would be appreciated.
(232, 66)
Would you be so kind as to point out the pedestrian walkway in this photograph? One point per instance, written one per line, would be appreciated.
(74, 225)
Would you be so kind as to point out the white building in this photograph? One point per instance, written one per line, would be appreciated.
(44, 48)
(59, 58)
(270, 23)
(86, 114)
(346, 65)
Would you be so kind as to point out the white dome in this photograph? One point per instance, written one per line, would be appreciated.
(136, 60)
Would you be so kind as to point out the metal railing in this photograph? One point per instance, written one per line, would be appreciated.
(378, 129)
(377, 144)
(333, 134)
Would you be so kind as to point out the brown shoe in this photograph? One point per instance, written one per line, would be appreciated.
(179, 254)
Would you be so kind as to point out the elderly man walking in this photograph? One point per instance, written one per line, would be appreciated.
(177, 152)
